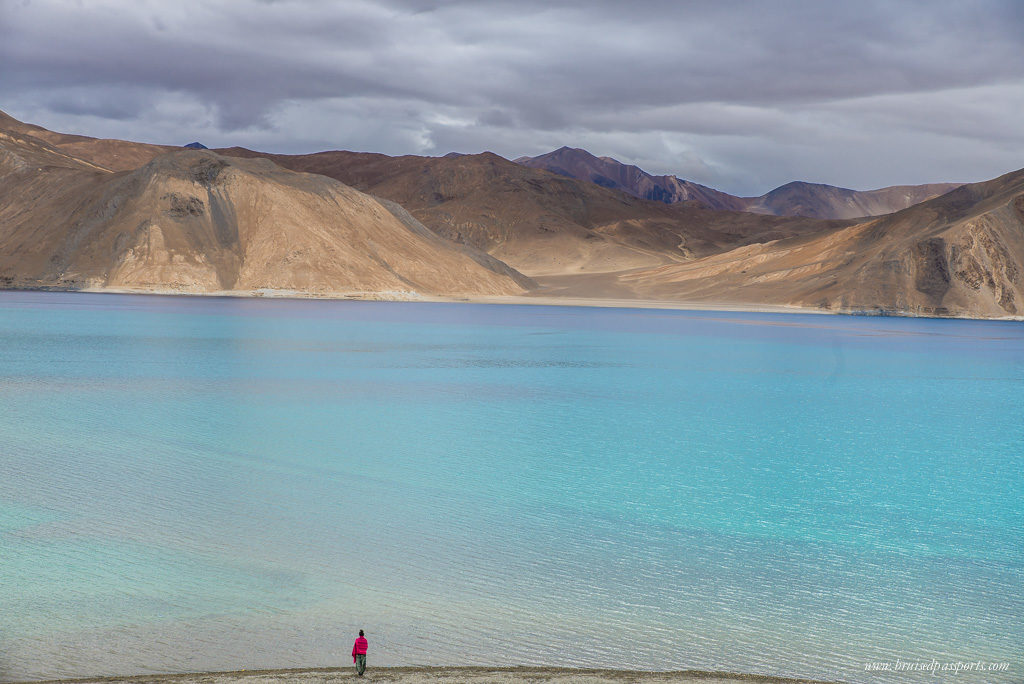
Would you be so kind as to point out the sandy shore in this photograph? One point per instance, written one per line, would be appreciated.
(534, 300)
(527, 299)
(608, 302)
(445, 675)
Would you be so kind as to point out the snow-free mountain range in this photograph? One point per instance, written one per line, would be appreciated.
(79, 213)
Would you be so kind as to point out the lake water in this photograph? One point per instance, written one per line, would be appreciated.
(203, 483)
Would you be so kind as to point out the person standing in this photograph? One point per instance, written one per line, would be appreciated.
(359, 654)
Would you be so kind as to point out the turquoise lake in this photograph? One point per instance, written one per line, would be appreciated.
(214, 483)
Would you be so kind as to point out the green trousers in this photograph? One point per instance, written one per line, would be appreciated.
(361, 663)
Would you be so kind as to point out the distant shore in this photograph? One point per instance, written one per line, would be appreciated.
(445, 675)
(403, 296)
(521, 300)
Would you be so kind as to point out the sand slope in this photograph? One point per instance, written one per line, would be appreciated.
(541, 223)
(192, 221)
(961, 254)
(470, 226)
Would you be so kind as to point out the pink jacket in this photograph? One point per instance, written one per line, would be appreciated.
(358, 648)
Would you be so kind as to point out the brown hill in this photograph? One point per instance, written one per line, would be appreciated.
(541, 223)
(610, 173)
(827, 201)
(961, 254)
(812, 200)
(113, 155)
(193, 221)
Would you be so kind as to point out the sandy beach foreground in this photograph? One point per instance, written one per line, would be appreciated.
(446, 675)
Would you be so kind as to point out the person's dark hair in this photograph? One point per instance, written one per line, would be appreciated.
(360, 632)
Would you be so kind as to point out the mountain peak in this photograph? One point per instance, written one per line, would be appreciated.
(796, 198)
(807, 185)
(818, 200)
(573, 151)
(611, 173)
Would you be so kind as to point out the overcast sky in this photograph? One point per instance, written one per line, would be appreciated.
(742, 96)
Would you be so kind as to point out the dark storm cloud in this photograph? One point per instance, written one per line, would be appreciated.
(744, 95)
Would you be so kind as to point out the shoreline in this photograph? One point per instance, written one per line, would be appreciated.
(440, 675)
(515, 300)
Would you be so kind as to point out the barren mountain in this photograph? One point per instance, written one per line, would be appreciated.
(197, 221)
(812, 200)
(193, 221)
(113, 155)
(961, 254)
(828, 201)
(609, 173)
(539, 222)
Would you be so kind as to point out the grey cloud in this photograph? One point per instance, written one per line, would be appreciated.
(110, 103)
(712, 89)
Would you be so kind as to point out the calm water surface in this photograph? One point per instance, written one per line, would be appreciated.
(192, 484)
